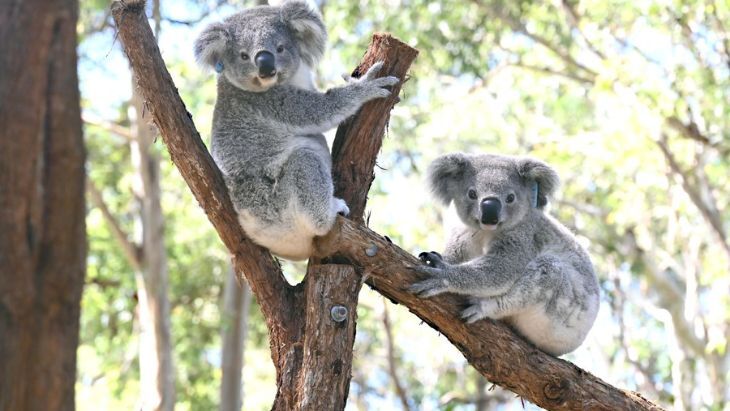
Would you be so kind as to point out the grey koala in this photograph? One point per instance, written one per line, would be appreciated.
(268, 121)
(513, 261)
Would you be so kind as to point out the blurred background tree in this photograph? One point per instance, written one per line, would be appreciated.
(628, 100)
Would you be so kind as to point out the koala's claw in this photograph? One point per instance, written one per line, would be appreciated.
(428, 271)
(482, 308)
(381, 93)
(385, 81)
(373, 70)
(432, 259)
(472, 314)
(429, 288)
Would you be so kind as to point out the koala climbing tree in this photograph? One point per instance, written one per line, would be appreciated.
(312, 325)
(268, 140)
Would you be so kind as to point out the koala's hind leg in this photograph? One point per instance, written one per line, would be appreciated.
(309, 176)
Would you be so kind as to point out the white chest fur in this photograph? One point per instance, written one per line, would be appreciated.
(304, 77)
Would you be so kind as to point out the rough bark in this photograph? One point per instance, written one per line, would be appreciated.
(490, 347)
(353, 159)
(359, 139)
(42, 210)
(236, 306)
(329, 332)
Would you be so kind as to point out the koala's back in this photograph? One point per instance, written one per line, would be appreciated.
(561, 281)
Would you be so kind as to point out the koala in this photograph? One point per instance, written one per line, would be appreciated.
(510, 259)
(269, 119)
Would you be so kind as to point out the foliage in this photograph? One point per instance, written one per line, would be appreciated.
(629, 100)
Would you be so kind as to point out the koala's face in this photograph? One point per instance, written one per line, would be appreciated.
(263, 46)
(492, 192)
(256, 59)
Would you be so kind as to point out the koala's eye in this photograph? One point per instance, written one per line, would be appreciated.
(280, 49)
(244, 56)
(511, 198)
(472, 194)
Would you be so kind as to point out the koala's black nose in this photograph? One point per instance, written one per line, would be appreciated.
(491, 206)
(266, 63)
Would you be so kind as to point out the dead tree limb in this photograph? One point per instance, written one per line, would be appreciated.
(490, 347)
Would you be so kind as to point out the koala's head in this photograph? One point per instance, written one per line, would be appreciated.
(492, 192)
(263, 46)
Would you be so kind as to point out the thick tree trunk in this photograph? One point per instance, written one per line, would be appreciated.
(42, 229)
(157, 382)
(236, 306)
(495, 351)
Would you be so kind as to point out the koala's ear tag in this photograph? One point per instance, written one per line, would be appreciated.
(219, 67)
(535, 188)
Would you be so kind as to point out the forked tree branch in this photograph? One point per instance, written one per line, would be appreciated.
(494, 350)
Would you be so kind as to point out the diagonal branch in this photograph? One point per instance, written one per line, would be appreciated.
(706, 206)
(552, 72)
(490, 347)
(131, 251)
(110, 127)
(518, 26)
(670, 295)
(494, 350)
(692, 131)
(196, 165)
(573, 18)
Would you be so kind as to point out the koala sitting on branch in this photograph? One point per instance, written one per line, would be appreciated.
(268, 121)
(513, 261)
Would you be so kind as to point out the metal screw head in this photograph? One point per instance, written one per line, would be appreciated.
(372, 250)
(338, 313)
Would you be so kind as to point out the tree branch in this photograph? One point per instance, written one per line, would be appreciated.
(130, 250)
(359, 139)
(706, 206)
(392, 361)
(549, 71)
(671, 296)
(519, 27)
(197, 167)
(110, 127)
(692, 131)
(490, 347)
(573, 18)
(355, 149)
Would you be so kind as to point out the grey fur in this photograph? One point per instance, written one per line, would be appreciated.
(267, 137)
(527, 269)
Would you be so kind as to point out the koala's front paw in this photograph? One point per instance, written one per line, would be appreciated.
(430, 287)
(435, 285)
(432, 259)
(374, 87)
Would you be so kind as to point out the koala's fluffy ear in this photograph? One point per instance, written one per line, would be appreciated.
(444, 174)
(211, 44)
(545, 176)
(307, 26)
